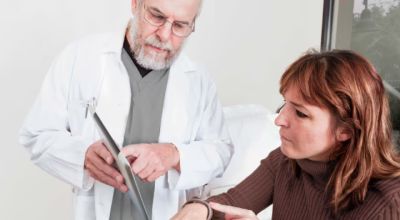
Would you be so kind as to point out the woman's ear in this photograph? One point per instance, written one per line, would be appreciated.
(342, 134)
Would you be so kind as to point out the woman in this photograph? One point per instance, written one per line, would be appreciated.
(336, 159)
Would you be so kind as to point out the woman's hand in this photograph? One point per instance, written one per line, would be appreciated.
(234, 213)
(192, 211)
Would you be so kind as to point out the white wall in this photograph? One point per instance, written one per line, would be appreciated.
(246, 45)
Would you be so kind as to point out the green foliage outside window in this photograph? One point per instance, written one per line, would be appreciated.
(376, 35)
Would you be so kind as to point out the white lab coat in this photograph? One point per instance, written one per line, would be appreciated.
(57, 132)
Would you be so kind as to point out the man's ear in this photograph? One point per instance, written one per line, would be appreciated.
(343, 134)
(134, 5)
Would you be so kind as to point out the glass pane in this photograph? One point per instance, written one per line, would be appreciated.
(375, 33)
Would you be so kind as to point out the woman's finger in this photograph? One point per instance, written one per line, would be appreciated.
(233, 211)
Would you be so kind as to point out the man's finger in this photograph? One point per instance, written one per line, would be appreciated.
(106, 168)
(131, 150)
(140, 164)
(101, 176)
(89, 167)
(154, 176)
(102, 151)
(146, 172)
(123, 188)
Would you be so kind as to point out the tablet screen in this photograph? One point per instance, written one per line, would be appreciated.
(110, 143)
(122, 165)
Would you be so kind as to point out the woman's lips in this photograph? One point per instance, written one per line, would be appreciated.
(283, 137)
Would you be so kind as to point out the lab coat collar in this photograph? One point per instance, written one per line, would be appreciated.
(115, 43)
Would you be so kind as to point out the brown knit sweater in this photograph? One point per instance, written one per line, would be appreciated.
(304, 196)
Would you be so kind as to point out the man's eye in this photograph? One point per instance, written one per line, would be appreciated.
(159, 17)
(179, 25)
(156, 16)
(301, 114)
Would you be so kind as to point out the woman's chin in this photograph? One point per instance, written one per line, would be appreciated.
(289, 152)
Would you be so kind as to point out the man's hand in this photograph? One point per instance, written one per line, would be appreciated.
(152, 160)
(234, 212)
(98, 162)
(193, 211)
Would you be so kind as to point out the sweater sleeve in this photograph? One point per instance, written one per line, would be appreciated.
(391, 212)
(256, 191)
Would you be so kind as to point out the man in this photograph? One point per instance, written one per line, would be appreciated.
(151, 98)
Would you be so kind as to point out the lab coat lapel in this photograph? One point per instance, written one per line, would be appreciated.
(114, 99)
(112, 108)
(174, 117)
(173, 129)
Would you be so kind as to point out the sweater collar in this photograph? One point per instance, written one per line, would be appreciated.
(319, 171)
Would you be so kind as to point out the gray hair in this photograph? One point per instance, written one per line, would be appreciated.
(140, 3)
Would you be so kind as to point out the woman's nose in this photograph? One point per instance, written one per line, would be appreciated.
(281, 119)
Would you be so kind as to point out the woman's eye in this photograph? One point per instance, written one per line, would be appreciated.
(280, 108)
(301, 114)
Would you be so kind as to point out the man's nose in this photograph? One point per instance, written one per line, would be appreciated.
(164, 32)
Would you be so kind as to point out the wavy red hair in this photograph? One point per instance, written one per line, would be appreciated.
(349, 86)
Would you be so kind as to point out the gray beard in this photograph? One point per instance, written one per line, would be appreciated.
(151, 61)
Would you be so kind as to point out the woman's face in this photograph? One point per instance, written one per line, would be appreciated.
(307, 131)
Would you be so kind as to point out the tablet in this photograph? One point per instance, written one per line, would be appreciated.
(122, 165)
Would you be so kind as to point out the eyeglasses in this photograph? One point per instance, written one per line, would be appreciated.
(156, 18)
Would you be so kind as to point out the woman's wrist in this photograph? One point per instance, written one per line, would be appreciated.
(202, 202)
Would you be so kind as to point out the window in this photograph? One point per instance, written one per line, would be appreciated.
(371, 28)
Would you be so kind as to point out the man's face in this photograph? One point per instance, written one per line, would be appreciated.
(156, 47)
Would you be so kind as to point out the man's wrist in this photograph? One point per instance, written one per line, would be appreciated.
(177, 160)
